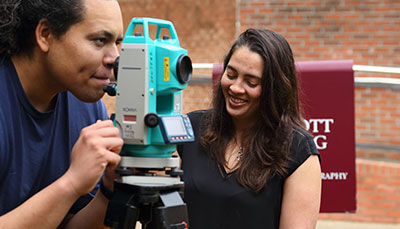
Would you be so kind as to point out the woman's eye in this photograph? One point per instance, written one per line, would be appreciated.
(252, 84)
(231, 77)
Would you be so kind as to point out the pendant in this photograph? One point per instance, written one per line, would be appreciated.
(239, 154)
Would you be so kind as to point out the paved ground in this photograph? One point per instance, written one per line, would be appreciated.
(328, 224)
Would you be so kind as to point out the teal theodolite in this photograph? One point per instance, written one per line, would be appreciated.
(151, 74)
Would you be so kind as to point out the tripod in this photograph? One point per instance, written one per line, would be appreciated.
(153, 201)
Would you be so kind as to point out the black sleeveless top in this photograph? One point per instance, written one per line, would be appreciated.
(215, 200)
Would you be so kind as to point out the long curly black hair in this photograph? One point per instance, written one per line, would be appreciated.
(19, 18)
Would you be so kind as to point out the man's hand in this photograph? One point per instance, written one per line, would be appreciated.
(96, 149)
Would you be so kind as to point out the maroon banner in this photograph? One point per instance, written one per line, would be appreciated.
(328, 101)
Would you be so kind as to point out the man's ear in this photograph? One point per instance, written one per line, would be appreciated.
(43, 35)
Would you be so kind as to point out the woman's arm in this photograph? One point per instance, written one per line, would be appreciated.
(302, 196)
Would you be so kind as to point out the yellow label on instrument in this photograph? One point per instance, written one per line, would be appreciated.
(166, 68)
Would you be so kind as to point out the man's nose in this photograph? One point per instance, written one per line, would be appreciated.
(111, 55)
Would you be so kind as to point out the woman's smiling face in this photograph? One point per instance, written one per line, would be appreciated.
(241, 84)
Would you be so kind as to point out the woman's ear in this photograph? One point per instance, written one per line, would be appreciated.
(43, 35)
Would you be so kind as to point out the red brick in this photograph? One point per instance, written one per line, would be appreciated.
(373, 212)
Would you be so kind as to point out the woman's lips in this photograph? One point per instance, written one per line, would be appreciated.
(234, 101)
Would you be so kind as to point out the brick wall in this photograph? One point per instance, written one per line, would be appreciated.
(378, 193)
(378, 116)
(366, 31)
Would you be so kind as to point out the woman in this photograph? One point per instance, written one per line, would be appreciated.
(253, 165)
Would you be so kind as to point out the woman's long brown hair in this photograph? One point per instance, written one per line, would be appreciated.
(267, 142)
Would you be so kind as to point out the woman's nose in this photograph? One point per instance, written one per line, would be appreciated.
(237, 87)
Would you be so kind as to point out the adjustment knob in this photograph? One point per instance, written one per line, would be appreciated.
(151, 120)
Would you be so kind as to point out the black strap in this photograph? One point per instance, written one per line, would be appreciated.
(107, 193)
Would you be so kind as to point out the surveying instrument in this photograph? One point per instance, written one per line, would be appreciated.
(150, 73)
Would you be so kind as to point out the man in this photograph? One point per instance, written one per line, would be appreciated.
(55, 58)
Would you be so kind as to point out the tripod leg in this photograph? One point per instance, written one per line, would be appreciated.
(173, 215)
(120, 213)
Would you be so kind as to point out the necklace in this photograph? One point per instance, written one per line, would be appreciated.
(239, 154)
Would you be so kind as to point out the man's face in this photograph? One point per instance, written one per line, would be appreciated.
(81, 60)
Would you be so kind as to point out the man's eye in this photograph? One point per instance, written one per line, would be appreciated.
(100, 41)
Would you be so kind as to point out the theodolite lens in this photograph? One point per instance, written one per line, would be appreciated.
(184, 69)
